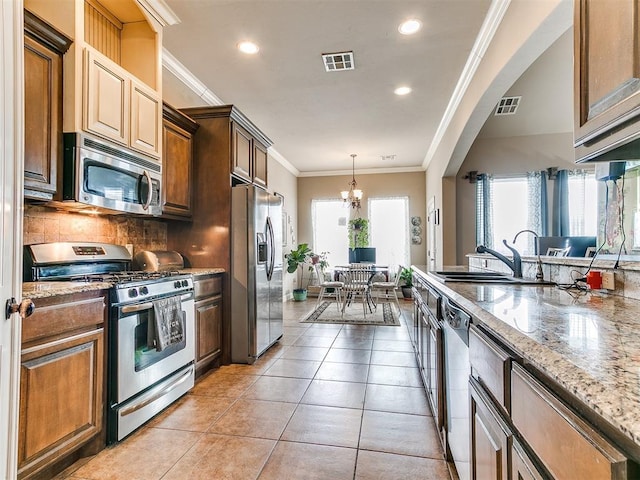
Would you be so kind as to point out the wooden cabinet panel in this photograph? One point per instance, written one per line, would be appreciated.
(208, 287)
(145, 117)
(567, 446)
(607, 86)
(491, 365)
(208, 332)
(436, 373)
(522, 467)
(43, 50)
(177, 163)
(106, 98)
(242, 153)
(259, 164)
(489, 438)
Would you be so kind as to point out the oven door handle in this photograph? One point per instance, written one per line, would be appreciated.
(147, 305)
(152, 396)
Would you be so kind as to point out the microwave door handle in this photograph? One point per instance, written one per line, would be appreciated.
(146, 204)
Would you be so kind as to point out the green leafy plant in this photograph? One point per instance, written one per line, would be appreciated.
(406, 275)
(297, 260)
(358, 232)
(322, 262)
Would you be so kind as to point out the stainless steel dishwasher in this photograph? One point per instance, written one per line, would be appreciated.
(457, 370)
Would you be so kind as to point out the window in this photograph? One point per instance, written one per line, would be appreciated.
(389, 230)
(329, 223)
(583, 204)
(510, 212)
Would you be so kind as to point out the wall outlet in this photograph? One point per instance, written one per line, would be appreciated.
(608, 281)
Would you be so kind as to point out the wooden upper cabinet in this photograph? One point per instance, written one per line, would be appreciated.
(43, 50)
(242, 155)
(146, 111)
(106, 98)
(606, 76)
(177, 163)
(259, 175)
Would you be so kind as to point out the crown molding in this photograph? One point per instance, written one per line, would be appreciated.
(362, 171)
(277, 156)
(192, 82)
(159, 10)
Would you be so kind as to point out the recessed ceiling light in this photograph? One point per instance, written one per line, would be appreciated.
(410, 26)
(402, 90)
(248, 47)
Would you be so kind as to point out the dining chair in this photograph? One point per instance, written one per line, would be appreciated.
(386, 290)
(356, 284)
(325, 285)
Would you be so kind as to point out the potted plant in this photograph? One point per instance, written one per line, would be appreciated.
(297, 259)
(358, 232)
(406, 275)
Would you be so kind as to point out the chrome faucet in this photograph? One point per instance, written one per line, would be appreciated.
(539, 274)
(515, 264)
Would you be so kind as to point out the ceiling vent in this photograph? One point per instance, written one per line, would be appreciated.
(335, 62)
(508, 105)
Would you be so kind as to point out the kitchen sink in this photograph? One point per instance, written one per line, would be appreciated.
(485, 277)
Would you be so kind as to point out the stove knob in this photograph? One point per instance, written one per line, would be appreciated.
(144, 291)
(176, 284)
(185, 283)
(133, 293)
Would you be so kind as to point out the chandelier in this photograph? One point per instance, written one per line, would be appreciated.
(354, 194)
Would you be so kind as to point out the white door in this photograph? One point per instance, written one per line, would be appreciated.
(11, 165)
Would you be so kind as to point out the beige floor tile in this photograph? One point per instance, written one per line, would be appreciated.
(316, 354)
(256, 368)
(400, 433)
(217, 457)
(392, 345)
(378, 466)
(293, 368)
(255, 418)
(146, 455)
(294, 461)
(308, 341)
(321, 332)
(394, 359)
(324, 425)
(391, 398)
(278, 389)
(192, 413)
(401, 376)
(392, 333)
(361, 343)
(287, 340)
(220, 383)
(335, 394)
(343, 372)
(348, 355)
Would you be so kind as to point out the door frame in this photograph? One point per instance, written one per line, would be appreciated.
(11, 186)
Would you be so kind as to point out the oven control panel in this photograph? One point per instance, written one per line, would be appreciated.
(148, 289)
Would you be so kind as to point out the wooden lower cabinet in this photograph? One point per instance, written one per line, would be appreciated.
(208, 322)
(489, 437)
(522, 466)
(62, 383)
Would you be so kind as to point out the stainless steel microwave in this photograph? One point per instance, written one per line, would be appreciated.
(102, 175)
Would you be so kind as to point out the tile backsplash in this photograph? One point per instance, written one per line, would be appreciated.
(43, 224)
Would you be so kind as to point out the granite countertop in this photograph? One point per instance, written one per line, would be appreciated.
(202, 271)
(587, 342)
(35, 290)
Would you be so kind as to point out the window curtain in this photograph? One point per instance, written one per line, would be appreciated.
(537, 209)
(484, 220)
(560, 221)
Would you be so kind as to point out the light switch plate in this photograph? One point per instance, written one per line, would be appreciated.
(608, 281)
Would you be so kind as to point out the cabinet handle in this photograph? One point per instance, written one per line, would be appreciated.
(25, 308)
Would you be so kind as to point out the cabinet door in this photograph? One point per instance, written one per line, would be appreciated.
(435, 372)
(423, 363)
(607, 85)
(489, 459)
(61, 398)
(242, 149)
(146, 114)
(259, 164)
(42, 117)
(177, 168)
(106, 98)
(522, 467)
(208, 332)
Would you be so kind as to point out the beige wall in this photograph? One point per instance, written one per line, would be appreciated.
(411, 184)
(505, 156)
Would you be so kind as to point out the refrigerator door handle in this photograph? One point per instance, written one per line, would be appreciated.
(272, 252)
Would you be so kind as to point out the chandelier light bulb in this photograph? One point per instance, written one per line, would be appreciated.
(354, 194)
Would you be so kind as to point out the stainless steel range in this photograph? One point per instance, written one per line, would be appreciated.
(151, 331)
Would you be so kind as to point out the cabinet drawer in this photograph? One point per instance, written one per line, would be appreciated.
(490, 364)
(567, 446)
(57, 315)
(207, 287)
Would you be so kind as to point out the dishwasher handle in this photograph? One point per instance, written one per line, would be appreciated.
(457, 318)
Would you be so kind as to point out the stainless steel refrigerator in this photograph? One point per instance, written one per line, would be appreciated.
(256, 272)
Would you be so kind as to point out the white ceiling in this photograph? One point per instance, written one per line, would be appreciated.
(317, 119)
